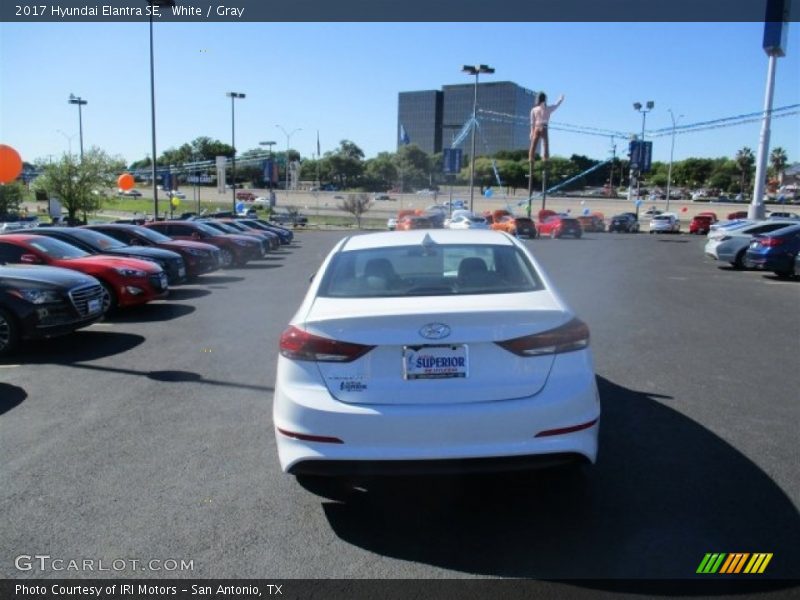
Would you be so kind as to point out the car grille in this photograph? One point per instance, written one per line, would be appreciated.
(81, 296)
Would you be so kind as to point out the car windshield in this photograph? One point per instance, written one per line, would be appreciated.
(56, 248)
(446, 269)
(222, 227)
(206, 228)
(95, 239)
(151, 235)
(236, 226)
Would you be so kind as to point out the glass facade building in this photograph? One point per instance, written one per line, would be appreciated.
(433, 119)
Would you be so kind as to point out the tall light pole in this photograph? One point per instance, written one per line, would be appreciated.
(270, 145)
(154, 3)
(68, 138)
(671, 151)
(474, 70)
(288, 138)
(644, 110)
(80, 102)
(233, 96)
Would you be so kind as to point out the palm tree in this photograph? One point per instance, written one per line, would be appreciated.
(778, 161)
(745, 161)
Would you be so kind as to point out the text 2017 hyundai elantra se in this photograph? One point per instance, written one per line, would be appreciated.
(433, 351)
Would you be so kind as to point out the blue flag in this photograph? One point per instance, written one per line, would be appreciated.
(404, 139)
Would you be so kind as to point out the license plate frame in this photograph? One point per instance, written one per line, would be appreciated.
(449, 361)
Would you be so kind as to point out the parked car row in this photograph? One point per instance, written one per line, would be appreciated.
(769, 244)
(55, 280)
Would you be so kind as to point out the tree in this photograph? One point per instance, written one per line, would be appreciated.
(346, 163)
(745, 161)
(778, 160)
(380, 172)
(356, 205)
(11, 195)
(77, 183)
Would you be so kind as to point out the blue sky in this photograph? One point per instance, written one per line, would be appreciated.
(343, 79)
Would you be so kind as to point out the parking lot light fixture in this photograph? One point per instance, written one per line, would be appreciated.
(288, 138)
(644, 110)
(474, 70)
(154, 3)
(233, 96)
(671, 152)
(73, 99)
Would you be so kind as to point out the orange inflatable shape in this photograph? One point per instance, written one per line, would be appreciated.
(125, 181)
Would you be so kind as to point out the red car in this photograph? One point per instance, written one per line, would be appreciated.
(701, 224)
(233, 249)
(739, 214)
(557, 226)
(198, 257)
(127, 281)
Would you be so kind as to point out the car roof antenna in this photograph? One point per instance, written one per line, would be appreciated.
(427, 241)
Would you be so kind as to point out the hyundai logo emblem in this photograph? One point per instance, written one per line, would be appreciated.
(435, 331)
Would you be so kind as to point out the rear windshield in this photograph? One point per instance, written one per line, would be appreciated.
(439, 270)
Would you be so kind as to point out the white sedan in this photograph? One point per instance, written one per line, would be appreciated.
(432, 351)
(665, 223)
(466, 221)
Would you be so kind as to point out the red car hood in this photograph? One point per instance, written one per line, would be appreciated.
(111, 262)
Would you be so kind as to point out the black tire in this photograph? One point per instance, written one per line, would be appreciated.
(110, 301)
(738, 262)
(9, 332)
(225, 258)
(783, 274)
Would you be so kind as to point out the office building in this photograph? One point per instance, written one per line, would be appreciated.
(432, 119)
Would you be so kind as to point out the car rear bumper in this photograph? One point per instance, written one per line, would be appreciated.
(562, 419)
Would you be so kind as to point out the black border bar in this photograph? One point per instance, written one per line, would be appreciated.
(200, 11)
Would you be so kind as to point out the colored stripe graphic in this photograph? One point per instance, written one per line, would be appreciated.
(734, 563)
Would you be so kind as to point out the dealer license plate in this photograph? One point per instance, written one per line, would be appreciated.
(435, 362)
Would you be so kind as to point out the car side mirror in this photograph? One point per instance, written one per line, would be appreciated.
(310, 279)
(30, 259)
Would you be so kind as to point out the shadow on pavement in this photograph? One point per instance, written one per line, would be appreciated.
(151, 313)
(260, 266)
(217, 279)
(11, 396)
(665, 491)
(85, 345)
(183, 293)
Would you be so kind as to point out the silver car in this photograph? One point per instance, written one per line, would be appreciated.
(730, 244)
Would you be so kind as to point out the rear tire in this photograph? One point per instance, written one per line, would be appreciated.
(9, 333)
(783, 274)
(738, 262)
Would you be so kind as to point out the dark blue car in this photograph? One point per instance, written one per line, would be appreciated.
(775, 251)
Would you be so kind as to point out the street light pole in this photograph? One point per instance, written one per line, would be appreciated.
(474, 70)
(671, 152)
(637, 106)
(80, 102)
(68, 138)
(154, 3)
(233, 96)
(288, 138)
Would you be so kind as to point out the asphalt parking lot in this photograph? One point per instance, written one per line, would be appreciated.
(149, 436)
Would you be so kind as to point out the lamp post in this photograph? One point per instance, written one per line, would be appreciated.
(288, 138)
(80, 102)
(154, 3)
(474, 70)
(68, 138)
(644, 110)
(270, 144)
(233, 96)
(671, 151)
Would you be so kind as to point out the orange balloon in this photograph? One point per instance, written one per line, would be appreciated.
(10, 164)
(125, 181)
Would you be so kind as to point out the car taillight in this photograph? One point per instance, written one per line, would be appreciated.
(770, 242)
(567, 338)
(301, 345)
